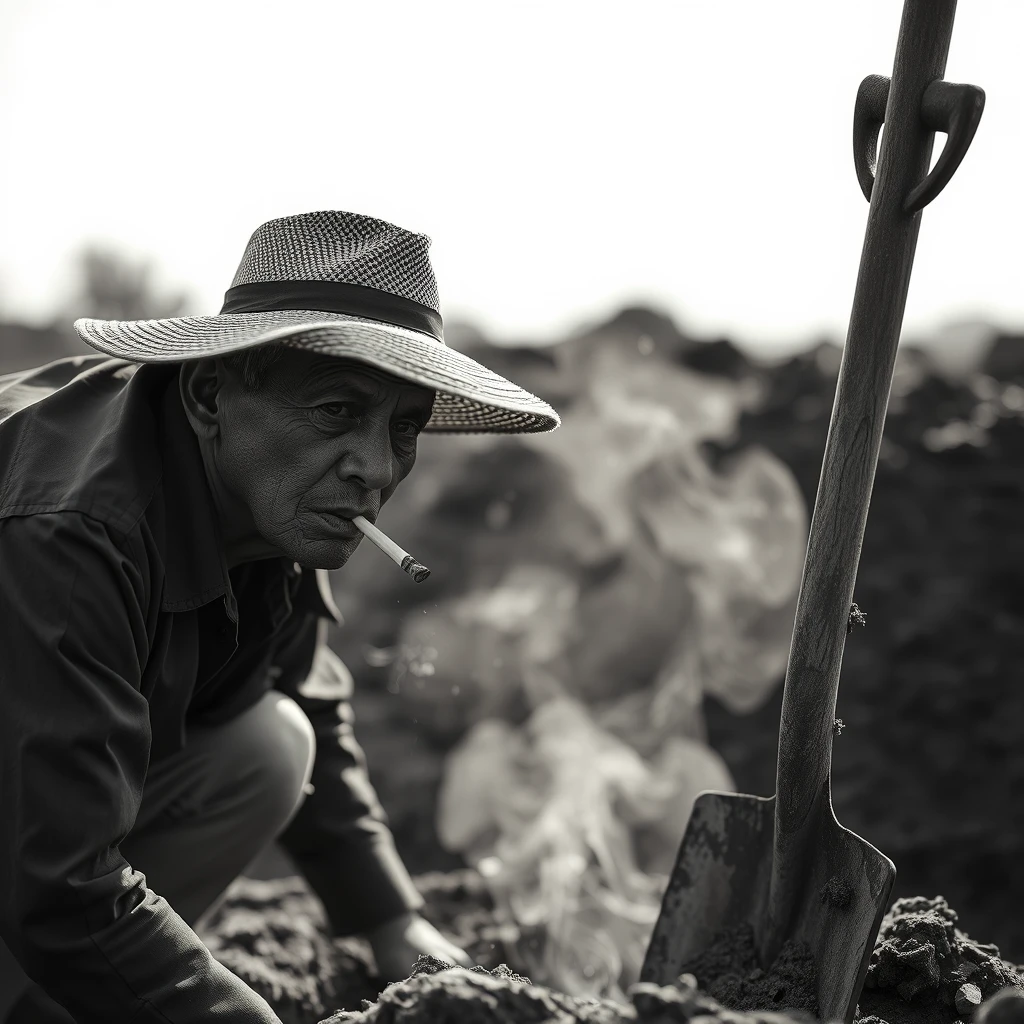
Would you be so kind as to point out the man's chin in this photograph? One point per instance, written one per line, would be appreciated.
(314, 545)
(322, 554)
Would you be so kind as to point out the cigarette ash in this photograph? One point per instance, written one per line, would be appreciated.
(729, 970)
(925, 970)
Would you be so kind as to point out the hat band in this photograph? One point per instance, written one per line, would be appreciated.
(334, 297)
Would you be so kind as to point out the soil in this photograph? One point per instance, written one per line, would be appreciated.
(729, 970)
(435, 994)
(925, 970)
(273, 935)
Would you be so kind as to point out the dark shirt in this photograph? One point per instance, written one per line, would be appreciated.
(120, 626)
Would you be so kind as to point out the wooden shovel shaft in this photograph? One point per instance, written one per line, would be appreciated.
(851, 454)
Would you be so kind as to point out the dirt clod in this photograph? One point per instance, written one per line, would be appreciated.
(432, 965)
(857, 618)
(837, 891)
(479, 996)
(924, 969)
(968, 999)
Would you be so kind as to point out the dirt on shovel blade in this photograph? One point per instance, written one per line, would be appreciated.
(729, 970)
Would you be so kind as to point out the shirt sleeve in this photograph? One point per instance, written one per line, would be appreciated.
(339, 837)
(74, 751)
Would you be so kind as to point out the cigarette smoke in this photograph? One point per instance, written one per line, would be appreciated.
(678, 580)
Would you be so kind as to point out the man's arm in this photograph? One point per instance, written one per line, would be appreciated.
(340, 837)
(74, 751)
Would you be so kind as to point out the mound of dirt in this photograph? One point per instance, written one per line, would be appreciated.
(273, 935)
(436, 994)
(925, 970)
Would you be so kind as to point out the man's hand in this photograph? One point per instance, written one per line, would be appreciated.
(397, 944)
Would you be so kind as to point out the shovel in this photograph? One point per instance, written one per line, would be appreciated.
(784, 865)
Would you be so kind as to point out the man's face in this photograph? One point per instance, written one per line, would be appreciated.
(321, 441)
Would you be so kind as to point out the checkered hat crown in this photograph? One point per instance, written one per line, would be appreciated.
(347, 248)
(344, 285)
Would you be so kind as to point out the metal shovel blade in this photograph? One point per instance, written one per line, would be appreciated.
(721, 880)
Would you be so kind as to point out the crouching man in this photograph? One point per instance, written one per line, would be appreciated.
(168, 703)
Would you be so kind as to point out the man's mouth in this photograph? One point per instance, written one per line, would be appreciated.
(341, 521)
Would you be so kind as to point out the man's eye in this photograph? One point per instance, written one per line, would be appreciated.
(407, 428)
(336, 410)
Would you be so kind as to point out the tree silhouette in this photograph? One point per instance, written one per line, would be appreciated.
(113, 286)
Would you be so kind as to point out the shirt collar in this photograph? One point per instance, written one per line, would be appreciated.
(197, 570)
(315, 595)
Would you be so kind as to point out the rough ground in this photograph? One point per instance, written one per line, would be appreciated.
(924, 970)
(435, 995)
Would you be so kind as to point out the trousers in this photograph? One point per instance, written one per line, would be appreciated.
(207, 811)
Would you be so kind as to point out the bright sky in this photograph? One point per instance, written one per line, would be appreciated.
(566, 156)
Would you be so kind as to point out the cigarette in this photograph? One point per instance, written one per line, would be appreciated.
(402, 558)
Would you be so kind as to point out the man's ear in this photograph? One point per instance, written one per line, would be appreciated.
(200, 382)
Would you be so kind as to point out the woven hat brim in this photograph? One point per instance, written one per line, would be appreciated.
(470, 397)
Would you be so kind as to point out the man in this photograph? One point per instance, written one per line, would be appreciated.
(168, 704)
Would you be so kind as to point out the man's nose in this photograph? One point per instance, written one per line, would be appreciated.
(370, 460)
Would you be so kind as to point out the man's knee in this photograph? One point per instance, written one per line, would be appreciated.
(282, 747)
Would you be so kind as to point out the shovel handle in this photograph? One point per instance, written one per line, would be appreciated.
(913, 104)
(948, 107)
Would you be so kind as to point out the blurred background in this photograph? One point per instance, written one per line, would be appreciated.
(648, 215)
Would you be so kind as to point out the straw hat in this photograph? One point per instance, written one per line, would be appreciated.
(346, 285)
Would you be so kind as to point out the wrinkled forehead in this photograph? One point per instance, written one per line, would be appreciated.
(315, 373)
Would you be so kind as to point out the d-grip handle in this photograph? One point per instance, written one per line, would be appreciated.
(945, 107)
